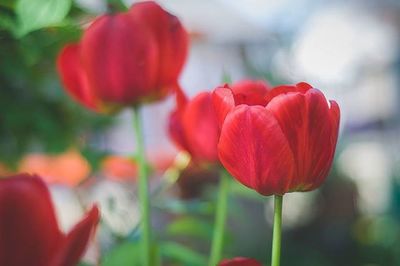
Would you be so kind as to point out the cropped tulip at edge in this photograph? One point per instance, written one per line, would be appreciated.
(28, 226)
(285, 146)
(125, 59)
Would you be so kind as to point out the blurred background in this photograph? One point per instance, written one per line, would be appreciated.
(348, 49)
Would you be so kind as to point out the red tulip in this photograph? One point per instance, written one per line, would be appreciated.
(239, 261)
(194, 128)
(125, 59)
(28, 227)
(287, 145)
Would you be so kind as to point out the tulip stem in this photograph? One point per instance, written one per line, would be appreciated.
(143, 189)
(220, 219)
(277, 231)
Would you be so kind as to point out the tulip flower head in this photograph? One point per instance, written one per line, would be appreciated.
(125, 59)
(284, 144)
(28, 226)
(239, 261)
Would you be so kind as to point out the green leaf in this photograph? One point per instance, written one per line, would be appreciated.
(125, 254)
(181, 253)
(190, 226)
(129, 253)
(36, 14)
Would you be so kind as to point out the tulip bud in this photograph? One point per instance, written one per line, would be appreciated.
(125, 59)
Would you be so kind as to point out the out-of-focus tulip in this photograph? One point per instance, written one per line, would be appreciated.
(28, 226)
(69, 168)
(239, 261)
(287, 145)
(125, 59)
(193, 127)
(119, 168)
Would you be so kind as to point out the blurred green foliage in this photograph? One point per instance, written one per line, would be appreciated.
(35, 112)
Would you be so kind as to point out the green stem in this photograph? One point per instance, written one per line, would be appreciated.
(276, 238)
(143, 190)
(220, 219)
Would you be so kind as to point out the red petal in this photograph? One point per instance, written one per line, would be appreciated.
(307, 124)
(250, 92)
(201, 128)
(75, 243)
(176, 131)
(175, 127)
(120, 55)
(172, 40)
(73, 77)
(181, 99)
(301, 87)
(28, 226)
(335, 116)
(239, 261)
(255, 151)
(223, 102)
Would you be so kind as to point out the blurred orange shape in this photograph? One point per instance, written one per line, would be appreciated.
(69, 168)
(119, 168)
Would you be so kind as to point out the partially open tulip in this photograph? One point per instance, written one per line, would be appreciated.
(125, 59)
(28, 226)
(193, 127)
(239, 261)
(284, 146)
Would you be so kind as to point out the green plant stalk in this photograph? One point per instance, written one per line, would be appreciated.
(277, 231)
(220, 219)
(143, 190)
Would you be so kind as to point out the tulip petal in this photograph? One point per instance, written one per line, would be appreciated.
(255, 151)
(239, 261)
(29, 234)
(176, 131)
(120, 58)
(175, 127)
(171, 37)
(250, 92)
(201, 127)
(301, 87)
(73, 77)
(75, 242)
(307, 124)
(223, 102)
